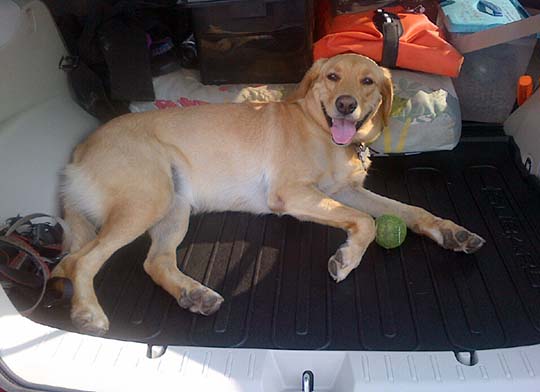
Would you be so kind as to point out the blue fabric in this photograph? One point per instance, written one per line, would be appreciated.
(466, 16)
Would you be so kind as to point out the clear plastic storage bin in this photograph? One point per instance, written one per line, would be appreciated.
(486, 86)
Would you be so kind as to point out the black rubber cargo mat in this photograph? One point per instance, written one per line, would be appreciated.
(278, 294)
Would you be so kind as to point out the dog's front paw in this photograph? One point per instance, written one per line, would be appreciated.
(335, 265)
(343, 262)
(200, 299)
(454, 237)
(90, 320)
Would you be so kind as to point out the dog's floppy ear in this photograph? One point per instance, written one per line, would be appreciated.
(311, 75)
(387, 92)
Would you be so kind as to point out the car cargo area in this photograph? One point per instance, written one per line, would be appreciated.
(413, 318)
(278, 294)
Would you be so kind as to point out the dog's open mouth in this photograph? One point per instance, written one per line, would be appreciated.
(343, 130)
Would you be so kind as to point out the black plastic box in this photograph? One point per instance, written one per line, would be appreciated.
(254, 41)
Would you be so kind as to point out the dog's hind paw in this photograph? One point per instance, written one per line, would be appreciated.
(90, 321)
(201, 300)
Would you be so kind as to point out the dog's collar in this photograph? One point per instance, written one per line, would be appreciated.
(362, 151)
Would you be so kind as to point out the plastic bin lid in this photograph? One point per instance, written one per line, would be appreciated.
(470, 16)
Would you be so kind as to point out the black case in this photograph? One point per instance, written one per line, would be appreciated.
(258, 41)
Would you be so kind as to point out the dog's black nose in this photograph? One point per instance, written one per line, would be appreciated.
(345, 104)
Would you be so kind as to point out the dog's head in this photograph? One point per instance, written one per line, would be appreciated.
(349, 95)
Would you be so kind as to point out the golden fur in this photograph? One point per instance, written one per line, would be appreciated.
(148, 171)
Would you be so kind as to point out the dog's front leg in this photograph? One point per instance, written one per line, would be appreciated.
(309, 204)
(445, 232)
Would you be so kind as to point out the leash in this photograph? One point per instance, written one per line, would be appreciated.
(24, 245)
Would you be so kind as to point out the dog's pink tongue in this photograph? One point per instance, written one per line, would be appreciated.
(343, 130)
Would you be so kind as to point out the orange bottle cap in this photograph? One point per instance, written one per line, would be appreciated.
(525, 80)
(524, 88)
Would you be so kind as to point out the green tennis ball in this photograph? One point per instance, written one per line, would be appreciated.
(391, 231)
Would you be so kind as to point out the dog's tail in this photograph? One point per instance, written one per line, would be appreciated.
(82, 229)
(81, 202)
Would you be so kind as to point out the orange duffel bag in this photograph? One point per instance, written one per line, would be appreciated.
(410, 41)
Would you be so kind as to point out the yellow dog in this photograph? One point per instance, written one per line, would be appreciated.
(149, 171)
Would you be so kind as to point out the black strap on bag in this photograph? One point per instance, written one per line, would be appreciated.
(392, 29)
(124, 48)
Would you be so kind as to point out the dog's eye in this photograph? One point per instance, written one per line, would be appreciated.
(366, 81)
(333, 77)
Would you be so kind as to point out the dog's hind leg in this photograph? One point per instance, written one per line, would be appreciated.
(125, 222)
(82, 233)
(162, 267)
(82, 230)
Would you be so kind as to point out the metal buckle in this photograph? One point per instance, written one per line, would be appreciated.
(68, 63)
(382, 17)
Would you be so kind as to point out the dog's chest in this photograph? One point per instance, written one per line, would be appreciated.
(344, 170)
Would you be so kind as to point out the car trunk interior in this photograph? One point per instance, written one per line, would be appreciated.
(278, 294)
(272, 271)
